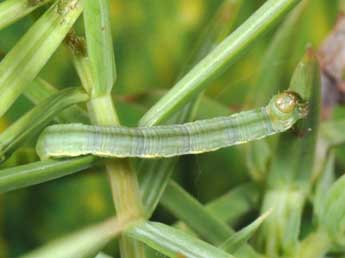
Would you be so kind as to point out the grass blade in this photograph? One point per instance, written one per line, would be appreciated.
(25, 60)
(268, 84)
(100, 46)
(41, 171)
(324, 183)
(36, 119)
(237, 240)
(223, 55)
(270, 78)
(154, 175)
(40, 90)
(289, 180)
(12, 10)
(190, 211)
(235, 203)
(332, 212)
(103, 255)
(123, 179)
(83, 244)
(172, 242)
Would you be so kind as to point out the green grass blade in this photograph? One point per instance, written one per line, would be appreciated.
(155, 174)
(306, 82)
(25, 60)
(103, 255)
(237, 240)
(83, 244)
(123, 179)
(289, 180)
(269, 83)
(332, 212)
(40, 90)
(172, 242)
(12, 10)
(100, 46)
(190, 211)
(324, 183)
(205, 224)
(317, 244)
(41, 171)
(237, 202)
(37, 118)
(271, 75)
(223, 55)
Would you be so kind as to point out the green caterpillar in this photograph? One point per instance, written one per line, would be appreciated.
(173, 140)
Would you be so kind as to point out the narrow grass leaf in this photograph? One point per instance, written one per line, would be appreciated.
(83, 244)
(332, 212)
(194, 214)
(12, 10)
(100, 46)
(269, 83)
(237, 240)
(316, 244)
(25, 60)
(236, 203)
(172, 242)
(271, 75)
(33, 121)
(40, 90)
(205, 224)
(324, 183)
(216, 61)
(103, 255)
(41, 171)
(289, 180)
(154, 175)
(122, 177)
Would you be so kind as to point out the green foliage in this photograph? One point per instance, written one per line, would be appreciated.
(203, 205)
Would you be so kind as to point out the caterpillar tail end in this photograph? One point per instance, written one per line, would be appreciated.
(41, 148)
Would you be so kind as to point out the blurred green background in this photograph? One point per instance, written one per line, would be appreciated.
(153, 40)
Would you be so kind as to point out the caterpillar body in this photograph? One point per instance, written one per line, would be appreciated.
(70, 140)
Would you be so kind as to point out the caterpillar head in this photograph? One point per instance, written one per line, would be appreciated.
(285, 109)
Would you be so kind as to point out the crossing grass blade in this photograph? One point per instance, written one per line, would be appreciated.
(25, 60)
(84, 244)
(12, 10)
(216, 61)
(239, 239)
(269, 82)
(99, 46)
(123, 179)
(154, 175)
(185, 208)
(40, 90)
(235, 203)
(42, 171)
(206, 225)
(289, 181)
(103, 255)
(173, 242)
(36, 119)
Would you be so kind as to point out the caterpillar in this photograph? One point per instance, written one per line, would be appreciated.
(70, 140)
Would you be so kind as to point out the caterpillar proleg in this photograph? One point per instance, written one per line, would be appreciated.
(70, 140)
